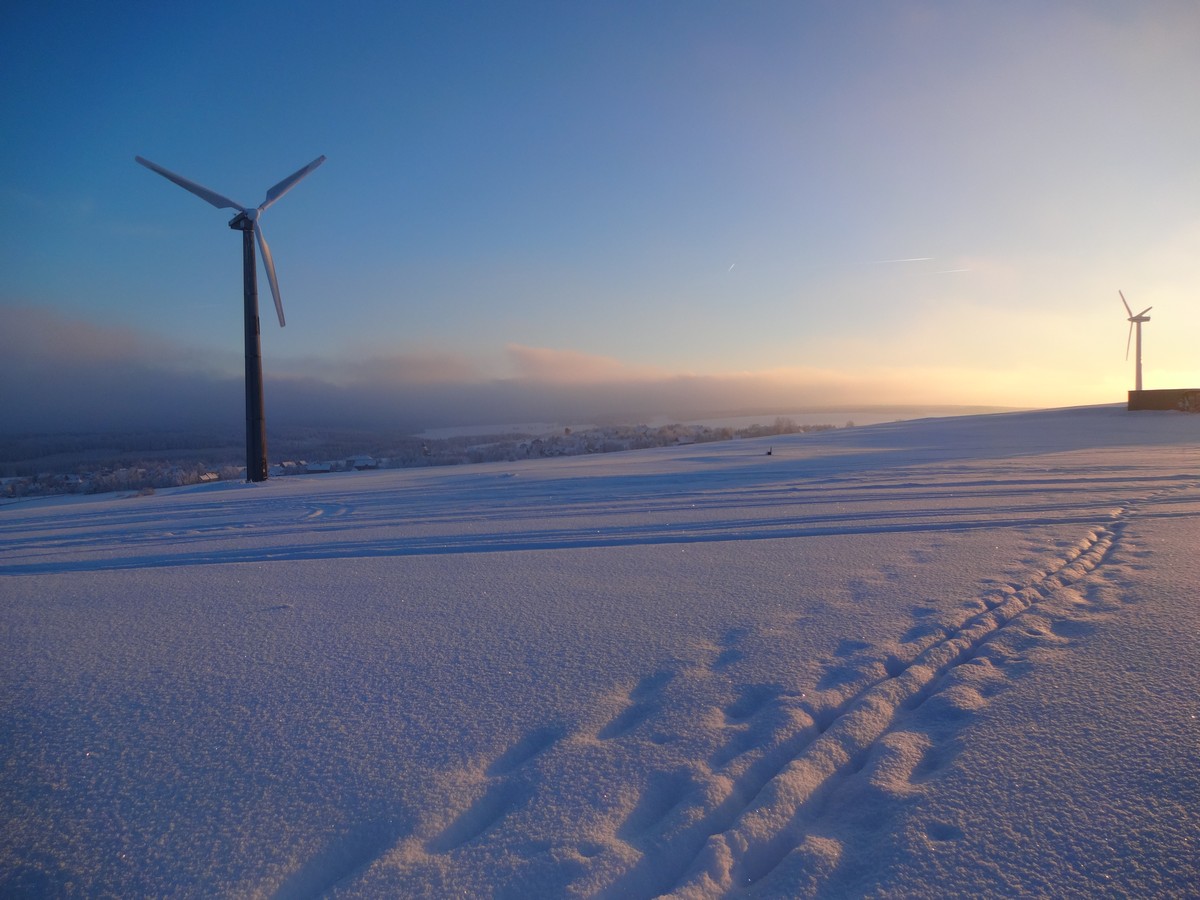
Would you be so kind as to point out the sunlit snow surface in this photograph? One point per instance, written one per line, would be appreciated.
(934, 658)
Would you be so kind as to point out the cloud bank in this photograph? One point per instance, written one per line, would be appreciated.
(64, 375)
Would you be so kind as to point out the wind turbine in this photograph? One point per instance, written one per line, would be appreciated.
(1136, 320)
(247, 222)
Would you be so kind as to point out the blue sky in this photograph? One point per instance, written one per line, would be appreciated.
(620, 200)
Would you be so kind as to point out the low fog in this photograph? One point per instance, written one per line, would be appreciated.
(63, 375)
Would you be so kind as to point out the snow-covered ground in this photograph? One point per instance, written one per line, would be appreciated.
(951, 657)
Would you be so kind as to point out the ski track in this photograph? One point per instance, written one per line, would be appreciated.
(731, 823)
(762, 816)
(503, 518)
(764, 823)
(769, 824)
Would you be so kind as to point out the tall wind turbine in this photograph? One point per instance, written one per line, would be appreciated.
(247, 222)
(1136, 320)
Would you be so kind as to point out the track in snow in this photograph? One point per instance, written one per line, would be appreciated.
(744, 817)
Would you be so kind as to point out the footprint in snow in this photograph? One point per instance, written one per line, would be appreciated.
(941, 832)
(496, 803)
(506, 791)
(626, 720)
(751, 698)
(922, 630)
(663, 794)
(533, 744)
(642, 704)
(848, 647)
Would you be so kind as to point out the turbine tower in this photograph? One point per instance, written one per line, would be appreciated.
(247, 222)
(1136, 320)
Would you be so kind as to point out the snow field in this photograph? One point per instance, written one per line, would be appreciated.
(951, 656)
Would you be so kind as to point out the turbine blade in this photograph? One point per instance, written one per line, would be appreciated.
(1146, 310)
(1126, 302)
(218, 200)
(269, 263)
(288, 183)
(1127, 340)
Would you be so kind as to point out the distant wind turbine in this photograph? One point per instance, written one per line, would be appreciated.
(247, 222)
(1136, 320)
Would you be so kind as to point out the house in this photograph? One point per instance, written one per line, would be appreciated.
(14, 487)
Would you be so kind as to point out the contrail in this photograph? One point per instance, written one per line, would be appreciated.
(731, 265)
(906, 259)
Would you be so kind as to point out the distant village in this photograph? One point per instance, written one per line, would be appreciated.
(145, 477)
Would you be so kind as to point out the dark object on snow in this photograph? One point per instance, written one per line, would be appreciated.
(1183, 399)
